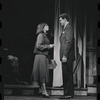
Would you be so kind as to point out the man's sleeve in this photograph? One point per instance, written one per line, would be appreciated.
(69, 41)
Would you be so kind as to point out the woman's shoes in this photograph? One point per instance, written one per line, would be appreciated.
(46, 95)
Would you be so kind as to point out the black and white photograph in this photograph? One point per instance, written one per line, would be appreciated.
(49, 49)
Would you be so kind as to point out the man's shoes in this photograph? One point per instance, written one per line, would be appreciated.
(65, 97)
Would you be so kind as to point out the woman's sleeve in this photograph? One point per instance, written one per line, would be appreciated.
(39, 43)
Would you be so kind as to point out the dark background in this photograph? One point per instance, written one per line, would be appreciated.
(20, 19)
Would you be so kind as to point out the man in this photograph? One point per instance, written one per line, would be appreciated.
(67, 56)
(13, 69)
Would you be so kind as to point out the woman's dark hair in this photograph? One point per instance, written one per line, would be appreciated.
(64, 15)
(40, 28)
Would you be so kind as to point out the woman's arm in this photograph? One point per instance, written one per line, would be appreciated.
(39, 43)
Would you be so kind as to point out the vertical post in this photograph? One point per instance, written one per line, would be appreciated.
(75, 37)
(57, 76)
(75, 41)
(91, 53)
(84, 52)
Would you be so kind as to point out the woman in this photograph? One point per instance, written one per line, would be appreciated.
(40, 72)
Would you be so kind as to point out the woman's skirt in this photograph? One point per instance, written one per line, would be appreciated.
(40, 71)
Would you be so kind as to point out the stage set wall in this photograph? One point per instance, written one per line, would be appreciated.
(81, 14)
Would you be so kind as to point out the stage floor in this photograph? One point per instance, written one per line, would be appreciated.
(51, 98)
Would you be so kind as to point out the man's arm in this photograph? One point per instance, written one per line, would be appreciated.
(69, 41)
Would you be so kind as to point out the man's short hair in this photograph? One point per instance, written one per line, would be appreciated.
(64, 15)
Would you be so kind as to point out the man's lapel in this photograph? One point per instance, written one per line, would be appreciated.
(64, 29)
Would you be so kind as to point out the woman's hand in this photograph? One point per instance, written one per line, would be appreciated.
(51, 45)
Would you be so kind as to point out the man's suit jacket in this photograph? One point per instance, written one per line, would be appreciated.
(67, 43)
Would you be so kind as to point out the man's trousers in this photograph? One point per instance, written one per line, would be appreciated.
(67, 71)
